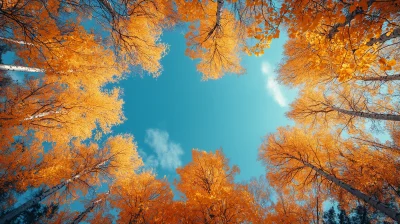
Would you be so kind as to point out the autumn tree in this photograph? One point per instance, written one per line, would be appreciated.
(23, 22)
(141, 198)
(95, 206)
(262, 193)
(351, 108)
(64, 171)
(342, 167)
(55, 113)
(134, 28)
(283, 205)
(210, 195)
(214, 37)
(343, 39)
(290, 208)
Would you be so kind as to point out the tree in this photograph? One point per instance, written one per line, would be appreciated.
(346, 39)
(262, 193)
(290, 208)
(214, 37)
(134, 28)
(209, 192)
(64, 171)
(141, 198)
(330, 216)
(37, 213)
(98, 202)
(296, 157)
(28, 20)
(55, 113)
(345, 106)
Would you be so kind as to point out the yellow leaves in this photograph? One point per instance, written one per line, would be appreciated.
(141, 196)
(391, 62)
(124, 155)
(207, 183)
(346, 72)
(386, 64)
(217, 45)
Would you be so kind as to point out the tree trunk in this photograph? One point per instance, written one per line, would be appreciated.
(395, 215)
(384, 37)
(83, 214)
(219, 11)
(381, 78)
(387, 117)
(108, 6)
(220, 4)
(19, 68)
(15, 212)
(16, 41)
(32, 117)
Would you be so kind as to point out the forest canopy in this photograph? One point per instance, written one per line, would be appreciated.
(55, 124)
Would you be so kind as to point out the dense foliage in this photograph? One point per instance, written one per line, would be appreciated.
(341, 55)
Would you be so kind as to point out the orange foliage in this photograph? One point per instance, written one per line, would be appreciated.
(210, 194)
(142, 199)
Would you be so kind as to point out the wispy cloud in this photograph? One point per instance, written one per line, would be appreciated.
(272, 86)
(150, 161)
(168, 152)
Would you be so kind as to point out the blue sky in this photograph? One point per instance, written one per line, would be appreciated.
(171, 115)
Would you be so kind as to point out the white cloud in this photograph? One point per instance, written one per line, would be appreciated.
(150, 161)
(168, 152)
(272, 85)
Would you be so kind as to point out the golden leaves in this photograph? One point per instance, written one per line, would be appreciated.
(210, 192)
(215, 44)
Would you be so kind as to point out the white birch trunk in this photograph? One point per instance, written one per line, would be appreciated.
(41, 115)
(387, 117)
(110, 9)
(18, 68)
(20, 42)
(83, 214)
(219, 11)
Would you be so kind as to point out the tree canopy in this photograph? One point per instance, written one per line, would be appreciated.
(55, 124)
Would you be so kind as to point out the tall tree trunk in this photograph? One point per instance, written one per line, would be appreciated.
(14, 213)
(83, 214)
(16, 41)
(395, 215)
(377, 116)
(220, 4)
(17, 211)
(32, 117)
(18, 68)
(110, 9)
(381, 78)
